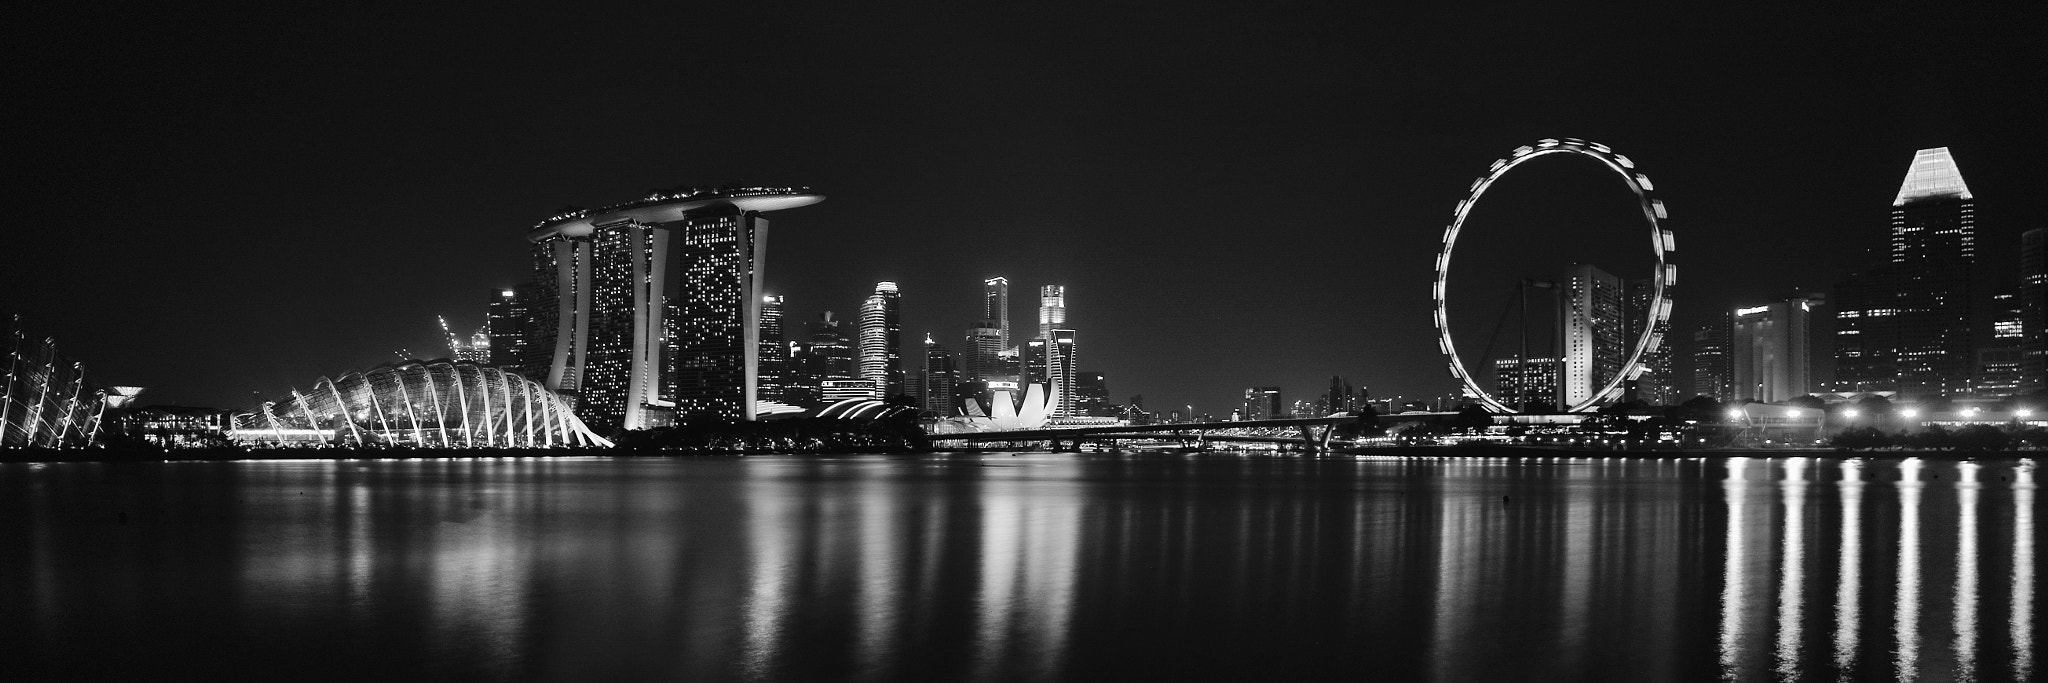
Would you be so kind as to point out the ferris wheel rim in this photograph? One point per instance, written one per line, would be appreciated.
(1662, 245)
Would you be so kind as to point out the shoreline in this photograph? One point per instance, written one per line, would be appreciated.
(33, 456)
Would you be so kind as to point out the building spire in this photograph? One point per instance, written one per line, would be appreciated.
(1933, 174)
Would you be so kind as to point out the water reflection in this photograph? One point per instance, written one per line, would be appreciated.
(1849, 564)
(2022, 622)
(1739, 611)
(1906, 619)
(1035, 566)
(1965, 645)
(1792, 566)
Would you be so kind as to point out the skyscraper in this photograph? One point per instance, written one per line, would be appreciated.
(507, 325)
(1657, 385)
(1593, 332)
(652, 308)
(1052, 309)
(1866, 338)
(1031, 363)
(774, 353)
(1342, 397)
(1769, 350)
(881, 340)
(2001, 358)
(2034, 310)
(828, 359)
(1934, 249)
(939, 379)
(1710, 370)
(1062, 371)
(1526, 385)
(1091, 395)
(995, 306)
(1910, 326)
(1263, 403)
(984, 352)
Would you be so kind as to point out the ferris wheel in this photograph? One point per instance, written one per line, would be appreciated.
(1661, 244)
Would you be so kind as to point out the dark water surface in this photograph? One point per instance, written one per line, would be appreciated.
(1032, 566)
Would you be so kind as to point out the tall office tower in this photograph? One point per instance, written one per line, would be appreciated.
(831, 350)
(995, 305)
(1263, 403)
(507, 328)
(1933, 256)
(1658, 384)
(1711, 373)
(1062, 372)
(1342, 397)
(2034, 310)
(881, 340)
(2000, 359)
(774, 353)
(801, 386)
(1866, 336)
(1091, 395)
(1009, 366)
(1052, 309)
(652, 308)
(984, 352)
(1529, 385)
(1593, 332)
(1769, 350)
(939, 379)
(1031, 364)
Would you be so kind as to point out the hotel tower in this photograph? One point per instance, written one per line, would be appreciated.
(650, 311)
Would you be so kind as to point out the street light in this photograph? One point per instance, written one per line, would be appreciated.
(1849, 413)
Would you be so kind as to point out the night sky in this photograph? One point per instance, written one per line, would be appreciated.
(214, 204)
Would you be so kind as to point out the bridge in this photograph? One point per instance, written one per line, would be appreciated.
(1311, 439)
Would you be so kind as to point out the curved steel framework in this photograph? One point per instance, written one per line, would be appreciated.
(1661, 243)
(45, 401)
(427, 404)
(862, 409)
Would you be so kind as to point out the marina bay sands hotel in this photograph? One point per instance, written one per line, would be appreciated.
(649, 311)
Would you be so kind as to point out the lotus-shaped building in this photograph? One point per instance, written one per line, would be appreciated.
(427, 404)
(1003, 413)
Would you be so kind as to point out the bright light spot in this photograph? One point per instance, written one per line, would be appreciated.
(1734, 414)
(1909, 412)
(2023, 412)
(1850, 412)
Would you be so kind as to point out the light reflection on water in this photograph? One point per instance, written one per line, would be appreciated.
(1034, 566)
(1849, 587)
(1792, 566)
(2022, 621)
(1906, 623)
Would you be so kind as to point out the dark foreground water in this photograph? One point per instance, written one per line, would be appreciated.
(1033, 566)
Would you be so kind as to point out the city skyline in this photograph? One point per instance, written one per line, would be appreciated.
(1778, 162)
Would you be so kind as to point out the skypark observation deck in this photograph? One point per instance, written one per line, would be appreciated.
(672, 206)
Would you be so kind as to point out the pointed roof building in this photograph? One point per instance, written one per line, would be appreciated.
(1933, 174)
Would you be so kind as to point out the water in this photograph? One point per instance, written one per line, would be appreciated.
(1026, 566)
